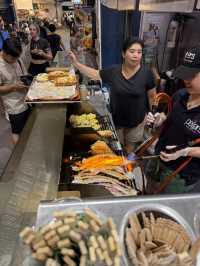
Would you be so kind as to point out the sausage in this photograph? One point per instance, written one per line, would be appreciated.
(93, 216)
(93, 242)
(29, 239)
(107, 258)
(83, 225)
(50, 234)
(94, 226)
(111, 224)
(64, 243)
(39, 244)
(102, 242)
(40, 257)
(69, 261)
(117, 261)
(83, 247)
(45, 250)
(100, 254)
(115, 235)
(45, 229)
(75, 236)
(24, 233)
(92, 254)
(83, 261)
(63, 229)
(111, 244)
(56, 224)
(69, 220)
(68, 252)
(52, 242)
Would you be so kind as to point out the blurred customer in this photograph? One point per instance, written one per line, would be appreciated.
(12, 90)
(3, 33)
(55, 40)
(40, 52)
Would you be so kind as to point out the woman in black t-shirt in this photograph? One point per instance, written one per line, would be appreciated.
(40, 52)
(132, 90)
(54, 40)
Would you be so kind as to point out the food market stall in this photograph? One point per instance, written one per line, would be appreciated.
(50, 146)
(34, 172)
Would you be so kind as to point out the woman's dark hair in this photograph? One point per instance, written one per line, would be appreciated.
(52, 28)
(12, 47)
(130, 41)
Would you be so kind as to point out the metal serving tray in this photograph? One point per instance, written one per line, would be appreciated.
(185, 209)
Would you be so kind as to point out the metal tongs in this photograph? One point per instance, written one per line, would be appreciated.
(133, 157)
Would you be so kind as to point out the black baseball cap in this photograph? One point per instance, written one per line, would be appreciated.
(190, 66)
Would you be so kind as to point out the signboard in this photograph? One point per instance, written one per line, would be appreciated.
(120, 4)
(167, 5)
(153, 31)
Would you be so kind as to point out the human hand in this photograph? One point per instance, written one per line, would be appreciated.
(19, 86)
(175, 155)
(40, 52)
(34, 51)
(156, 119)
(72, 56)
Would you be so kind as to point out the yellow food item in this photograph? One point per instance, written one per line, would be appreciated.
(43, 77)
(101, 161)
(65, 81)
(85, 120)
(57, 74)
(105, 133)
(100, 147)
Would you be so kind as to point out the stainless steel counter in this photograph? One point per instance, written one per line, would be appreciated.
(185, 209)
(32, 174)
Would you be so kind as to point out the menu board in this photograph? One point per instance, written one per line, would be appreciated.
(167, 5)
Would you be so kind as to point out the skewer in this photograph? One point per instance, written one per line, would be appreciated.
(148, 157)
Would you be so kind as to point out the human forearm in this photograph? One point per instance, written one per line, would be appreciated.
(193, 152)
(189, 151)
(87, 71)
(151, 97)
(5, 89)
(48, 56)
(62, 45)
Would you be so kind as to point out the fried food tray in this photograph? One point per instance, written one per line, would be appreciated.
(105, 124)
(74, 99)
(74, 150)
(184, 209)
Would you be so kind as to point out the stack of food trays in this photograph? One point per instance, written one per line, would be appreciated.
(57, 85)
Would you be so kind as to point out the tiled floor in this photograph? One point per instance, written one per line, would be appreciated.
(6, 145)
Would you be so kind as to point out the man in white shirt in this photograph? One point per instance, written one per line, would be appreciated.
(12, 90)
